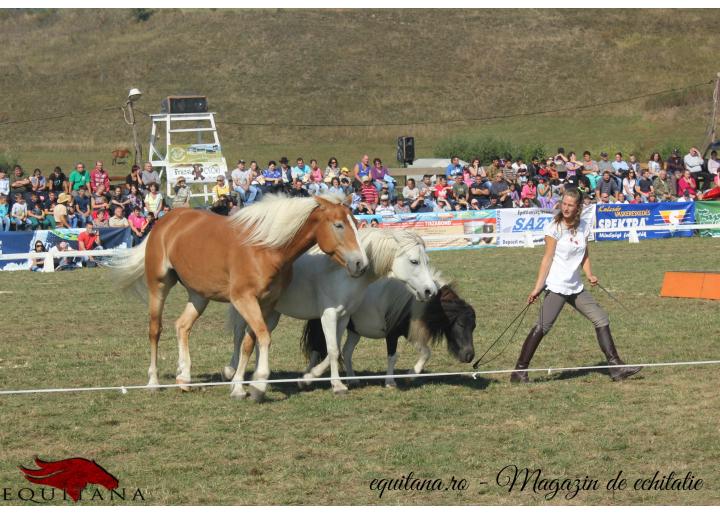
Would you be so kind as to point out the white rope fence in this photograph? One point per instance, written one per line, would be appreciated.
(473, 374)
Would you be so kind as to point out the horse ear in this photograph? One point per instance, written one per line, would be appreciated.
(348, 201)
(446, 293)
(322, 202)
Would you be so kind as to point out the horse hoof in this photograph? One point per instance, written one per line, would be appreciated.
(238, 394)
(183, 388)
(340, 392)
(391, 385)
(228, 373)
(256, 394)
(352, 382)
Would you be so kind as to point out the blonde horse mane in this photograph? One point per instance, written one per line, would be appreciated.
(275, 220)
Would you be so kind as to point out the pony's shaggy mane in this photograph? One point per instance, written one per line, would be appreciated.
(276, 219)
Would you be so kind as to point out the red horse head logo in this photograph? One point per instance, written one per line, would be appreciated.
(70, 475)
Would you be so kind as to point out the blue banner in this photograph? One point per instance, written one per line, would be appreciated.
(641, 215)
(24, 242)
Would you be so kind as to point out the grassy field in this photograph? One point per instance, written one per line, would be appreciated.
(73, 329)
(361, 67)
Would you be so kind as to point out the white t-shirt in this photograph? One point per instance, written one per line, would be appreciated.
(564, 276)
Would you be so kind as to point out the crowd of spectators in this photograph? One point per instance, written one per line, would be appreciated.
(33, 201)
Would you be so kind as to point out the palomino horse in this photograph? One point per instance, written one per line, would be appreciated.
(319, 289)
(388, 312)
(245, 259)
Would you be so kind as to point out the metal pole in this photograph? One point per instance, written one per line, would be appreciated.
(138, 152)
(711, 137)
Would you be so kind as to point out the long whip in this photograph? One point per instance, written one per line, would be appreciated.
(521, 315)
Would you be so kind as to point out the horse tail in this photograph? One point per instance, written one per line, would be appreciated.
(313, 339)
(128, 269)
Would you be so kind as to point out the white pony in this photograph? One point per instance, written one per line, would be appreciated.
(321, 289)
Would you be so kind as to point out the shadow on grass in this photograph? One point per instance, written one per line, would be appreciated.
(578, 373)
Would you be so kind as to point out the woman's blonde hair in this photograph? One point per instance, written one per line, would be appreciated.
(575, 220)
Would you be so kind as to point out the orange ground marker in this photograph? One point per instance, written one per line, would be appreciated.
(691, 284)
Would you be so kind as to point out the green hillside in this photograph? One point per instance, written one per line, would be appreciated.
(358, 67)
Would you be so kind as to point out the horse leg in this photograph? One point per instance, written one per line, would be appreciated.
(158, 289)
(193, 310)
(248, 345)
(249, 309)
(348, 350)
(391, 343)
(425, 352)
(239, 326)
(333, 328)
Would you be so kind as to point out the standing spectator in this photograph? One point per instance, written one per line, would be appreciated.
(644, 186)
(133, 178)
(99, 177)
(410, 192)
(19, 213)
(149, 176)
(154, 199)
(242, 184)
(219, 190)
(362, 169)
(687, 186)
(118, 219)
(58, 182)
(694, 164)
(4, 183)
(89, 240)
(655, 164)
(4, 213)
(60, 212)
(628, 184)
(663, 187)
(38, 182)
(138, 223)
(79, 177)
(20, 184)
(182, 194)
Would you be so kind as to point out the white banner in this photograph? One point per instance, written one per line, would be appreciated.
(515, 226)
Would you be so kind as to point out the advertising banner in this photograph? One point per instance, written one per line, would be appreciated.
(199, 163)
(444, 230)
(514, 224)
(708, 212)
(639, 216)
(24, 242)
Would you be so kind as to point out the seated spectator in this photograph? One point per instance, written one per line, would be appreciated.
(500, 190)
(82, 206)
(605, 198)
(515, 195)
(36, 216)
(619, 199)
(301, 170)
(38, 263)
(634, 165)
(100, 218)
(4, 183)
(453, 170)
(694, 164)
(442, 188)
(297, 190)
(687, 187)
(346, 185)
(644, 186)
(544, 194)
(493, 169)
(149, 176)
(38, 182)
(423, 203)
(442, 205)
(651, 198)
(138, 225)
(20, 183)
(273, 179)
(136, 199)
(315, 184)
(4, 213)
(117, 199)
(655, 164)
(475, 169)
(590, 170)
(620, 167)
(72, 216)
(133, 178)
(332, 171)
(219, 189)
(663, 188)
(58, 182)
(572, 166)
(713, 165)
(98, 200)
(154, 199)
(182, 194)
(19, 213)
(474, 205)
(242, 179)
(460, 190)
(60, 211)
(607, 185)
(335, 186)
(529, 192)
(89, 239)
(99, 177)
(605, 165)
(674, 167)
(401, 206)
(480, 191)
(369, 193)
(118, 219)
(63, 263)
(384, 208)
(381, 177)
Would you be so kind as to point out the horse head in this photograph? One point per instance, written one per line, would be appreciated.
(337, 236)
(449, 315)
(412, 266)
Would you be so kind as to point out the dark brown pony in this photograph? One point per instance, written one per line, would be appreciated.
(245, 259)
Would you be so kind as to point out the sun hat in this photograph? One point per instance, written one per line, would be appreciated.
(63, 198)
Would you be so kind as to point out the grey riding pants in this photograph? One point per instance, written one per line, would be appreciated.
(583, 302)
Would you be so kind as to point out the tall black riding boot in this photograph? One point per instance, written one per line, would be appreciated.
(607, 345)
(526, 354)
